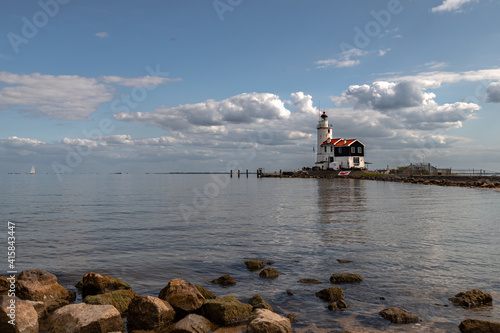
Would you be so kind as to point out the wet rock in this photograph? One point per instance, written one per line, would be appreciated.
(270, 263)
(226, 311)
(472, 299)
(39, 285)
(4, 285)
(265, 321)
(258, 303)
(182, 295)
(206, 293)
(255, 265)
(479, 326)
(337, 305)
(192, 323)
(269, 273)
(149, 313)
(78, 318)
(345, 278)
(225, 281)
(310, 281)
(293, 318)
(342, 261)
(120, 299)
(93, 284)
(399, 316)
(22, 312)
(382, 298)
(39, 308)
(289, 293)
(332, 294)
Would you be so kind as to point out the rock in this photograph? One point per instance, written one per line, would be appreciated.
(255, 265)
(293, 318)
(265, 321)
(472, 299)
(120, 299)
(22, 312)
(192, 323)
(149, 313)
(337, 305)
(332, 294)
(80, 318)
(289, 293)
(399, 316)
(258, 303)
(182, 295)
(206, 293)
(39, 308)
(39, 285)
(342, 261)
(310, 281)
(94, 284)
(345, 278)
(4, 285)
(479, 326)
(225, 281)
(269, 273)
(226, 311)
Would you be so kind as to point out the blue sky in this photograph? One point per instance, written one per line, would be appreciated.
(158, 86)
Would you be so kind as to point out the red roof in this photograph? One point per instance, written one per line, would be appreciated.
(340, 142)
(324, 115)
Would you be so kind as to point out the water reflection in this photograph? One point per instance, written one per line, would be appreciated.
(342, 211)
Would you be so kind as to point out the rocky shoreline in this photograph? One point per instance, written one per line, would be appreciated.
(460, 181)
(41, 304)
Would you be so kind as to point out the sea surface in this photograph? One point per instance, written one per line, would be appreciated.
(415, 245)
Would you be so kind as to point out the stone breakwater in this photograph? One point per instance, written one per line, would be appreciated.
(460, 181)
(109, 304)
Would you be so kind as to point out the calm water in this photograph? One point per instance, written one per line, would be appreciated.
(415, 245)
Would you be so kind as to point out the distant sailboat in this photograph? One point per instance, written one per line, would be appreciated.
(32, 172)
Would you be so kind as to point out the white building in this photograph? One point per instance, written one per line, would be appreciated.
(337, 153)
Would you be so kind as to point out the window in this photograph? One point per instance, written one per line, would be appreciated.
(325, 149)
(331, 159)
(340, 150)
(331, 148)
(360, 150)
(356, 160)
(353, 150)
(328, 131)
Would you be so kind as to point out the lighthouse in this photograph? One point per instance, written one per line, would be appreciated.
(324, 134)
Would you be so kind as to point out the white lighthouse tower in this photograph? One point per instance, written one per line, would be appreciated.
(324, 134)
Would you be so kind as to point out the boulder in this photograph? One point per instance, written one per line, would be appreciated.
(269, 273)
(345, 278)
(337, 305)
(226, 311)
(182, 295)
(149, 313)
(293, 318)
(255, 265)
(94, 284)
(4, 285)
(310, 281)
(289, 293)
(332, 294)
(343, 261)
(206, 293)
(478, 326)
(265, 321)
(86, 318)
(225, 281)
(257, 302)
(399, 316)
(192, 323)
(39, 285)
(22, 312)
(120, 299)
(472, 299)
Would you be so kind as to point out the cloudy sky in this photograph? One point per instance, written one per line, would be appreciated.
(203, 85)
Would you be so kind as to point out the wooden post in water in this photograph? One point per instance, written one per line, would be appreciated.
(238, 173)
(280, 173)
(247, 173)
(231, 173)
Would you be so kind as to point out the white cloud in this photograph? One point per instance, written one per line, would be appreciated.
(15, 142)
(450, 6)
(344, 59)
(102, 34)
(493, 92)
(382, 53)
(69, 97)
